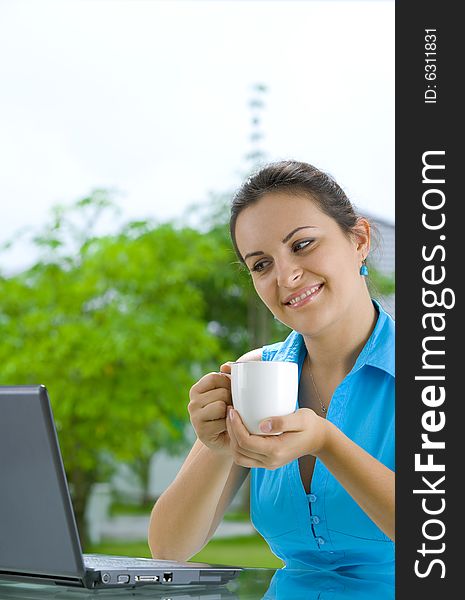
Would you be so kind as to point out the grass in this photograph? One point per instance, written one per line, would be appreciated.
(238, 516)
(123, 509)
(244, 551)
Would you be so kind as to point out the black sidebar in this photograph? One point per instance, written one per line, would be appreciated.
(430, 357)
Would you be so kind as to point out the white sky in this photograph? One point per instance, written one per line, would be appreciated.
(150, 97)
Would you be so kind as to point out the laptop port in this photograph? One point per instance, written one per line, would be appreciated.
(167, 577)
(106, 577)
(123, 578)
(147, 578)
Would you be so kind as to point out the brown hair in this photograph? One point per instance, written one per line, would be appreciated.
(295, 177)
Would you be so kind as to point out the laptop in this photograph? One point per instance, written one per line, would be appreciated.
(39, 541)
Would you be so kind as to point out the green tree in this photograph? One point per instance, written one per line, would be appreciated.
(114, 327)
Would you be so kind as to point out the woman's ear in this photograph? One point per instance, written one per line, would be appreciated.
(362, 236)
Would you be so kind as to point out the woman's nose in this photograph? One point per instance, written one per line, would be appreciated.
(288, 274)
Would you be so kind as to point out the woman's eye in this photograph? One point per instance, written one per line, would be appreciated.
(301, 245)
(259, 266)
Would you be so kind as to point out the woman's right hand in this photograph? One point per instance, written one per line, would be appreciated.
(209, 399)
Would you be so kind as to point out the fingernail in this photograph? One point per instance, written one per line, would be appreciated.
(231, 414)
(266, 426)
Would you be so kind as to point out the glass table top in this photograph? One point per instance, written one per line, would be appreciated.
(251, 584)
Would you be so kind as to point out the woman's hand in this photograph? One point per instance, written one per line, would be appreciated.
(209, 399)
(304, 433)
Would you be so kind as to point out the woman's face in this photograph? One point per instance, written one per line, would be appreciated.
(304, 268)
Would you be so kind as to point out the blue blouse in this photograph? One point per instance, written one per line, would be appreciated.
(326, 529)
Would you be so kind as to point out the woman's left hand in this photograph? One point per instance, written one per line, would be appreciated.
(303, 433)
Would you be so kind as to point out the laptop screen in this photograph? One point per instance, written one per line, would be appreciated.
(38, 534)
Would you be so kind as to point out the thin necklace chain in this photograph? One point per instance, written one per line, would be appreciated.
(322, 404)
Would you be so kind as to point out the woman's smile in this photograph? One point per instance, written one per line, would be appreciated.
(303, 297)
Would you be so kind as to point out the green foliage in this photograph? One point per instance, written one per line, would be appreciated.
(116, 330)
(379, 284)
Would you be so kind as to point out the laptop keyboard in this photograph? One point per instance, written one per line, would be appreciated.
(97, 561)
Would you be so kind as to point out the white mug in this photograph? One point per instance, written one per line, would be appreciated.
(263, 389)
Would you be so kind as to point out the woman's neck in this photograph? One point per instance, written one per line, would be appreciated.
(337, 348)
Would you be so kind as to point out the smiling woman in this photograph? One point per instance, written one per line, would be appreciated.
(322, 493)
(310, 240)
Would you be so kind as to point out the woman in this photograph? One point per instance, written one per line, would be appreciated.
(322, 493)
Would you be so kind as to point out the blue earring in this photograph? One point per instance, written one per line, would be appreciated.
(364, 269)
